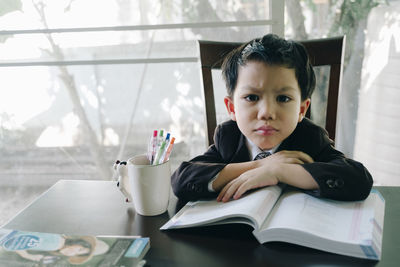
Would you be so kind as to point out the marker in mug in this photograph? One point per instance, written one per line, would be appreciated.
(159, 153)
(149, 149)
(168, 141)
(153, 147)
(160, 138)
(165, 157)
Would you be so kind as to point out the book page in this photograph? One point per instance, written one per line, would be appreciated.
(349, 222)
(253, 208)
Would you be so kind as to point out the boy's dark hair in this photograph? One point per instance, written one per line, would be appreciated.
(275, 51)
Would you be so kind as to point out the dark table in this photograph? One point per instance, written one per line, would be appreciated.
(98, 208)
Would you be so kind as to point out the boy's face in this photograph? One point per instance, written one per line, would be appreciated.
(266, 103)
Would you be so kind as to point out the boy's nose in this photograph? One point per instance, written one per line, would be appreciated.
(266, 111)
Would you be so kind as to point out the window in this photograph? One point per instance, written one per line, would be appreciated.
(83, 86)
(377, 131)
(367, 126)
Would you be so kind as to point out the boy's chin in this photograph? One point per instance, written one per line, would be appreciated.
(264, 145)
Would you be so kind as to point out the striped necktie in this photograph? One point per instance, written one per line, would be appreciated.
(262, 155)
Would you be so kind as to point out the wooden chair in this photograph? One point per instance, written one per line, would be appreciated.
(322, 52)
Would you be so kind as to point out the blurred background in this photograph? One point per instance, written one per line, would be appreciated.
(84, 83)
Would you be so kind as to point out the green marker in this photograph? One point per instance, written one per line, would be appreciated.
(159, 153)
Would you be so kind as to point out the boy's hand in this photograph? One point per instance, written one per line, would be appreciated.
(266, 173)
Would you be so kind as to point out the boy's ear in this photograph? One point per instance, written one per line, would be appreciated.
(303, 108)
(230, 107)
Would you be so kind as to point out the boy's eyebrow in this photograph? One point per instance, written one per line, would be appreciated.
(248, 87)
(286, 89)
(251, 88)
(283, 89)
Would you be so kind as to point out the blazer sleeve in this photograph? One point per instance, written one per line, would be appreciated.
(338, 177)
(190, 180)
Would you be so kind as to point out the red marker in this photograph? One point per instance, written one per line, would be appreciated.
(152, 147)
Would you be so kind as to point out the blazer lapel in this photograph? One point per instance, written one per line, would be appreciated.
(242, 153)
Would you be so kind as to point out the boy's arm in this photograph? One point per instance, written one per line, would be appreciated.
(230, 172)
(190, 181)
(337, 176)
(283, 167)
(340, 179)
(234, 170)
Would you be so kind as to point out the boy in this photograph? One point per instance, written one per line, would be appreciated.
(269, 83)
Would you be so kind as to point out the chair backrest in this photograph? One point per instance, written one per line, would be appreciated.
(322, 52)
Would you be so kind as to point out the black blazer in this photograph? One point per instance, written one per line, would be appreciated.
(338, 177)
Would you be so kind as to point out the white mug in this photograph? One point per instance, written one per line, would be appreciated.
(147, 186)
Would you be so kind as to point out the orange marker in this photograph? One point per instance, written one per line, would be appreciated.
(168, 151)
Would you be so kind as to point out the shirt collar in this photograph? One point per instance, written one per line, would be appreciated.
(254, 150)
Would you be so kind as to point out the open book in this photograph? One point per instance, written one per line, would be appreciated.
(347, 228)
(21, 248)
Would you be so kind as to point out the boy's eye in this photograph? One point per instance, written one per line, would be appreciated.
(252, 98)
(283, 98)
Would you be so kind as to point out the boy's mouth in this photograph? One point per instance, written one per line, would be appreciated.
(266, 130)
